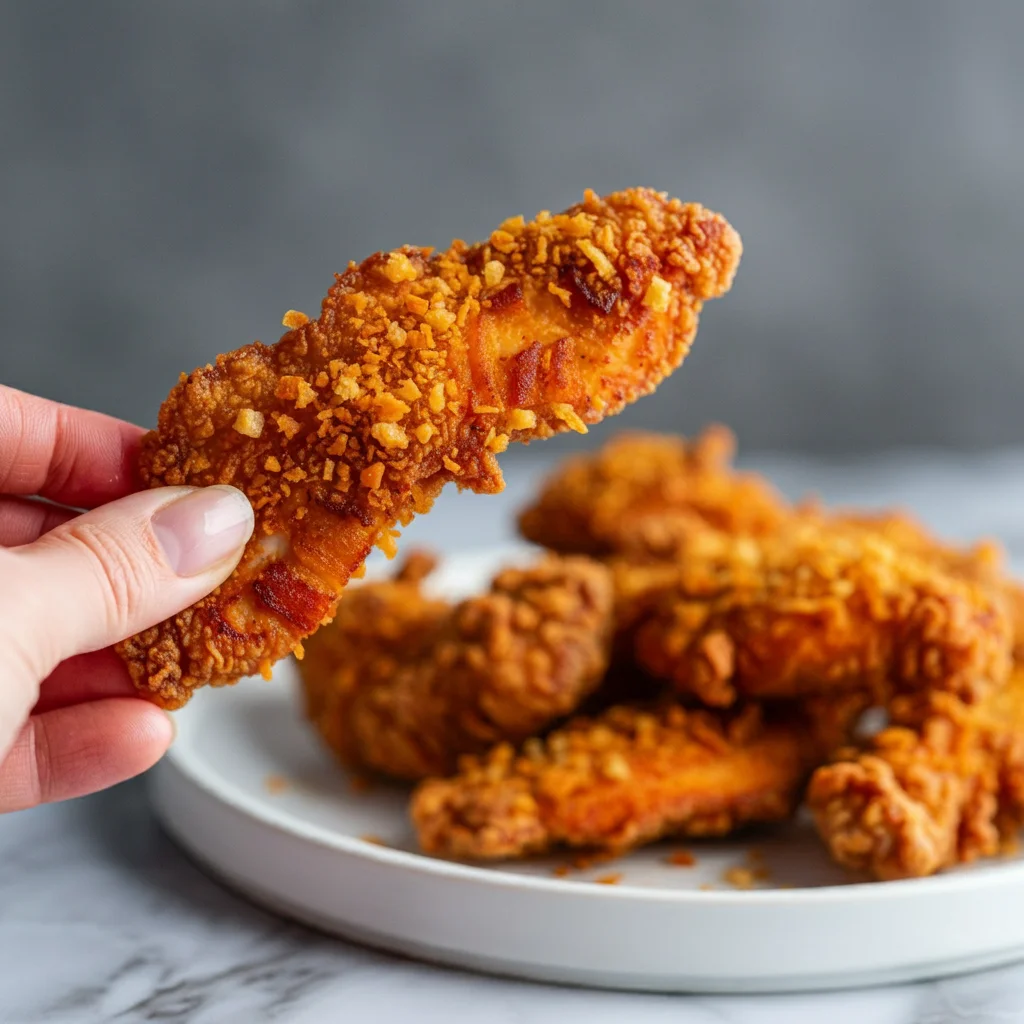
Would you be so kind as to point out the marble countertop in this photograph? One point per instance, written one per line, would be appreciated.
(102, 918)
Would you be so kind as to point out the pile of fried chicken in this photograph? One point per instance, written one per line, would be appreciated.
(692, 654)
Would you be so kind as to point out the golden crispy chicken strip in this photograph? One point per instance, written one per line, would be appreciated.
(984, 561)
(636, 493)
(815, 608)
(404, 685)
(627, 777)
(421, 368)
(944, 786)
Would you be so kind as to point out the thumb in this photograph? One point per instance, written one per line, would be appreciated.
(119, 569)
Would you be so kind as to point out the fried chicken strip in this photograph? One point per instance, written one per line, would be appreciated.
(815, 608)
(420, 369)
(403, 684)
(636, 493)
(983, 562)
(627, 777)
(945, 786)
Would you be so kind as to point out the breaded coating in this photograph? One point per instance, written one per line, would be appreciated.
(984, 561)
(404, 685)
(636, 492)
(627, 777)
(817, 608)
(421, 368)
(945, 786)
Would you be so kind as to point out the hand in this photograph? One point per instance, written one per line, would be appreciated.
(73, 584)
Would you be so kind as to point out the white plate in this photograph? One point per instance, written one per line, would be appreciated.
(247, 789)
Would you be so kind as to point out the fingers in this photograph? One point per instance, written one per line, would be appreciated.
(108, 574)
(77, 750)
(69, 455)
(86, 677)
(23, 520)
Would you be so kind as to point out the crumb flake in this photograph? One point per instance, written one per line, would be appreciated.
(522, 419)
(276, 784)
(494, 271)
(249, 422)
(681, 859)
(399, 268)
(658, 295)
(568, 415)
(739, 877)
(391, 435)
(293, 319)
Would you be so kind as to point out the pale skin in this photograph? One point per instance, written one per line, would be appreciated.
(73, 583)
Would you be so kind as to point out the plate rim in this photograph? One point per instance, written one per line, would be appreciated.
(977, 877)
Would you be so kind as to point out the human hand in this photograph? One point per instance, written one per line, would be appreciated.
(73, 584)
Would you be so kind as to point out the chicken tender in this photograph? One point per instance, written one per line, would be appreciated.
(628, 777)
(816, 608)
(421, 368)
(403, 684)
(983, 562)
(641, 490)
(942, 787)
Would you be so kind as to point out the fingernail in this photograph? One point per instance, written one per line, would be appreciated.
(203, 528)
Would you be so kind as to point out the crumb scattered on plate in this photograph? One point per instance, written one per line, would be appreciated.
(681, 859)
(275, 784)
(373, 840)
(739, 877)
(612, 878)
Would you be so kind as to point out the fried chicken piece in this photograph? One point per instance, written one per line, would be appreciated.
(420, 369)
(942, 787)
(816, 608)
(403, 685)
(640, 490)
(628, 777)
(983, 562)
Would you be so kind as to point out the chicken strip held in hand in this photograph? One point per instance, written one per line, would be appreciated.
(420, 369)
(403, 684)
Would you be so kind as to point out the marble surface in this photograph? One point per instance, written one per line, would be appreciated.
(102, 918)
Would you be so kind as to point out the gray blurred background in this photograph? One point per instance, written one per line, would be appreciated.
(174, 176)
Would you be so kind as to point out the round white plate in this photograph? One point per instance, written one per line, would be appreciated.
(249, 791)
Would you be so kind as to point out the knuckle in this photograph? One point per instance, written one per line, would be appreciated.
(40, 763)
(122, 571)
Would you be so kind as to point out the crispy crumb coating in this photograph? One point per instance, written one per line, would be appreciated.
(403, 684)
(420, 369)
(815, 608)
(942, 787)
(637, 492)
(983, 562)
(627, 777)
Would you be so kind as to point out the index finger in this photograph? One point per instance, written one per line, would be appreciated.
(72, 456)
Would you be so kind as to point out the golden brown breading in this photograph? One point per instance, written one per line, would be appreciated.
(945, 786)
(638, 491)
(627, 777)
(403, 685)
(984, 561)
(419, 370)
(816, 608)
